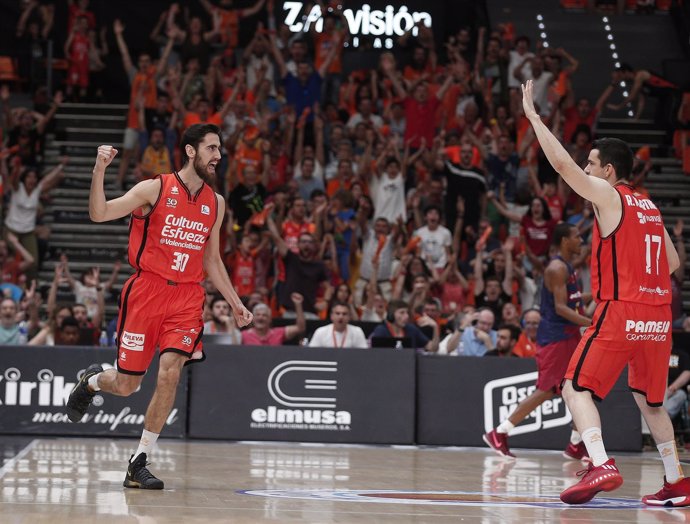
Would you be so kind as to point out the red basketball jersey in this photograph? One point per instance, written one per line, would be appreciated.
(171, 239)
(630, 264)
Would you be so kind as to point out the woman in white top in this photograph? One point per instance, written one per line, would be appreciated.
(24, 201)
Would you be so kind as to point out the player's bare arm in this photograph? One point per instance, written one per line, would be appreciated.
(556, 280)
(671, 253)
(144, 194)
(216, 271)
(596, 190)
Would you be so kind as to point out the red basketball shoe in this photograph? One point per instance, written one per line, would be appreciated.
(576, 452)
(674, 495)
(498, 442)
(594, 479)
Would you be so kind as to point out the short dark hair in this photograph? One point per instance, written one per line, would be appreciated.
(561, 231)
(433, 207)
(217, 298)
(339, 303)
(394, 305)
(193, 136)
(515, 331)
(522, 38)
(69, 321)
(617, 153)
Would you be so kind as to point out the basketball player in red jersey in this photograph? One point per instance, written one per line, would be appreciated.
(632, 260)
(175, 220)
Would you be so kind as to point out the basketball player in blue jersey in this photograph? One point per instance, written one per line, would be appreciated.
(557, 338)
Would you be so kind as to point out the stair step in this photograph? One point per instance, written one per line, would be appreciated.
(94, 228)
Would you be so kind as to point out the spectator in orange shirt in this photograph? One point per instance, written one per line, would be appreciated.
(143, 81)
(226, 21)
(527, 343)
(331, 36)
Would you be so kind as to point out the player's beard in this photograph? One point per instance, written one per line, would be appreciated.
(202, 171)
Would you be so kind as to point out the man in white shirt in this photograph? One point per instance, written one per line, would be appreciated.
(339, 334)
(364, 115)
(387, 190)
(436, 239)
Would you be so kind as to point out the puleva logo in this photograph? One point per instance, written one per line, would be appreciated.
(502, 396)
(288, 384)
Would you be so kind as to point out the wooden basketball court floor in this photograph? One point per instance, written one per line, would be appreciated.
(79, 480)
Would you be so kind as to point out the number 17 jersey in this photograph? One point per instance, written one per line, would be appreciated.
(630, 264)
(170, 239)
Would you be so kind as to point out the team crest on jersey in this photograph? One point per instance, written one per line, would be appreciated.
(171, 202)
(174, 190)
(205, 210)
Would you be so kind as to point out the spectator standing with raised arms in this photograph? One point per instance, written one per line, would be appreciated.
(171, 247)
(631, 325)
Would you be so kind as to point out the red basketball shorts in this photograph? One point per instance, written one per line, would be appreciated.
(156, 314)
(621, 333)
(552, 363)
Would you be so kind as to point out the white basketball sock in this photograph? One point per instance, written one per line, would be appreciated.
(575, 438)
(669, 456)
(595, 445)
(93, 382)
(505, 427)
(146, 443)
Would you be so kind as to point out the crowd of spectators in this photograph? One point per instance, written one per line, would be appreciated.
(412, 194)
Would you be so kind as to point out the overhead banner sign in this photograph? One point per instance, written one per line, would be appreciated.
(382, 26)
(304, 394)
(35, 383)
(488, 390)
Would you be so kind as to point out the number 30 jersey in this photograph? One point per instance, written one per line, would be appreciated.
(170, 239)
(630, 264)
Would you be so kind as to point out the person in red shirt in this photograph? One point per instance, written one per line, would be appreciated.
(262, 334)
(173, 245)
(632, 259)
(241, 264)
(420, 108)
(583, 114)
(77, 9)
(77, 49)
(12, 267)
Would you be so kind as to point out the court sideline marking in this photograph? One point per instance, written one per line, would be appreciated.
(9, 465)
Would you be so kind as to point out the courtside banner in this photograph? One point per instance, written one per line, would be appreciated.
(304, 394)
(35, 383)
(461, 398)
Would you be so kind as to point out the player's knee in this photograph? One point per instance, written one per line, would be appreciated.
(168, 377)
(125, 385)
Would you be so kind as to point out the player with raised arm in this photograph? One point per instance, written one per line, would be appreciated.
(173, 243)
(632, 260)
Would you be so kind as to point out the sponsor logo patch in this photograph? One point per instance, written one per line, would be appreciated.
(170, 202)
(205, 210)
(132, 341)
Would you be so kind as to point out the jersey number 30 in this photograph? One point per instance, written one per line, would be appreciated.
(180, 261)
(649, 240)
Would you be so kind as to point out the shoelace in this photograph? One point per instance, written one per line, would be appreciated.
(143, 474)
(583, 472)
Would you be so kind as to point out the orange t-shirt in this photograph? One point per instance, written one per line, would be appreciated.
(145, 80)
(229, 25)
(195, 118)
(524, 347)
(323, 44)
(247, 156)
